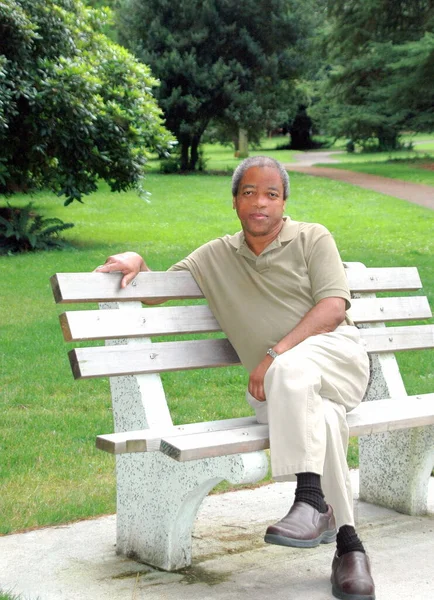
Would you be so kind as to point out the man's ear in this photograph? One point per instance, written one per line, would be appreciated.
(234, 202)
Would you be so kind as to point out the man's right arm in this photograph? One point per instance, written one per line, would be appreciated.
(130, 264)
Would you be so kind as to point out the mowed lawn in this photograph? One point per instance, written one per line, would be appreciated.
(50, 471)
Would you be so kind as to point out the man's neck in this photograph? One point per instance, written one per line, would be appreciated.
(258, 243)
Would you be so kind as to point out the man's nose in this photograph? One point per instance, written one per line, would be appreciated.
(261, 200)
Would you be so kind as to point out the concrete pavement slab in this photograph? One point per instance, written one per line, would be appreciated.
(230, 559)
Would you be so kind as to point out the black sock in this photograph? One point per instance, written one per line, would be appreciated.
(309, 491)
(347, 540)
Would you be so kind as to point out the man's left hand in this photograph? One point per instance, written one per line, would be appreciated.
(256, 380)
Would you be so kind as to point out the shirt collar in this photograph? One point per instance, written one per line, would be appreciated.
(287, 233)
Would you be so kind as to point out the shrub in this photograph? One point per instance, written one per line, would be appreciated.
(23, 230)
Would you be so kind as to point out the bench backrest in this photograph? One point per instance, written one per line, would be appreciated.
(131, 327)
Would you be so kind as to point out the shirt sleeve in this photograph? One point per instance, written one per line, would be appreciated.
(326, 270)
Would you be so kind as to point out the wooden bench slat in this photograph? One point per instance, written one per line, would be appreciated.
(148, 440)
(375, 310)
(369, 417)
(110, 324)
(383, 279)
(105, 287)
(175, 320)
(103, 361)
(396, 339)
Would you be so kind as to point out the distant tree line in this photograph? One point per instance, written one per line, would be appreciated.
(80, 100)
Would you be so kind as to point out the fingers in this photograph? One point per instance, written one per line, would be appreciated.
(127, 279)
(257, 391)
(127, 263)
(111, 264)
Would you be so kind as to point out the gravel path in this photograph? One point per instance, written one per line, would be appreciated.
(412, 192)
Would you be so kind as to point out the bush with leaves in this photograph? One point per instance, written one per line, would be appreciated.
(74, 106)
(23, 230)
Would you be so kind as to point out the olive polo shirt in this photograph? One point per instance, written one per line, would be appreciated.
(258, 299)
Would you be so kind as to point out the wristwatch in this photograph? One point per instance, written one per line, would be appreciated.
(272, 353)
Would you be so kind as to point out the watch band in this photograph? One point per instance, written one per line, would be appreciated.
(272, 353)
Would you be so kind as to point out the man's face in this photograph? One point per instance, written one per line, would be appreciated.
(259, 201)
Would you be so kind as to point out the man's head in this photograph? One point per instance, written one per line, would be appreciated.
(259, 161)
(260, 187)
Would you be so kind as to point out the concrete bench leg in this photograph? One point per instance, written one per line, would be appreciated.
(395, 467)
(158, 499)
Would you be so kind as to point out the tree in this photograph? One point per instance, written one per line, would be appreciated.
(74, 106)
(217, 59)
(374, 46)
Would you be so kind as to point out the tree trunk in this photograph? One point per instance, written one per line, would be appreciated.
(243, 144)
(300, 131)
(236, 144)
(387, 140)
(194, 152)
(185, 146)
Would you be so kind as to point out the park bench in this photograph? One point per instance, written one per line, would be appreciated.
(164, 471)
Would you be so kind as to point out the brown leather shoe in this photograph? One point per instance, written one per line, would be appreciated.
(351, 577)
(303, 527)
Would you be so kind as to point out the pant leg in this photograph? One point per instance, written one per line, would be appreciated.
(336, 481)
(307, 432)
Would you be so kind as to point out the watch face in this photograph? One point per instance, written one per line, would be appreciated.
(272, 353)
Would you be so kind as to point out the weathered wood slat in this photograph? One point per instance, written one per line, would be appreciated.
(383, 279)
(395, 339)
(106, 361)
(374, 310)
(97, 324)
(368, 418)
(105, 287)
(148, 440)
(103, 361)
(109, 324)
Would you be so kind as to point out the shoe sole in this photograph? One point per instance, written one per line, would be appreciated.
(337, 593)
(280, 540)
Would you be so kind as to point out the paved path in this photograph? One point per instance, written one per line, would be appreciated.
(412, 192)
(230, 559)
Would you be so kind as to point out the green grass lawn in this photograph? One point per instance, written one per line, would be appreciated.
(220, 158)
(415, 166)
(50, 471)
(415, 171)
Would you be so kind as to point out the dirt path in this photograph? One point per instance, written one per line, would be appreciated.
(412, 192)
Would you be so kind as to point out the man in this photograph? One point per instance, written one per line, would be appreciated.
(279, 291)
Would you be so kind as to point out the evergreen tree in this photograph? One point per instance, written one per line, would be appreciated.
(233, 61)
(379, 50)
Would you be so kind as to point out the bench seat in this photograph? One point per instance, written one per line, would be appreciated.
(215, 438)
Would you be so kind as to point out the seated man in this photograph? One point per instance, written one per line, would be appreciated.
(279, 291)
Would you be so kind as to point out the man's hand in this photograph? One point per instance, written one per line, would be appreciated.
(256, 380)
(128, 263)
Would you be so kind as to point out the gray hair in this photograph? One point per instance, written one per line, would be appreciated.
(259, 161)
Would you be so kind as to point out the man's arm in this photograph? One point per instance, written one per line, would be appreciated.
(130, 264)
(324, 317)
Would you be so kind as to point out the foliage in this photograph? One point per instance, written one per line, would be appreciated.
(74, 106)
(23, 230)
(217, 59)
(380, 52)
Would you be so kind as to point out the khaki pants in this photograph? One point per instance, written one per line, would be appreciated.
(309, 390)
